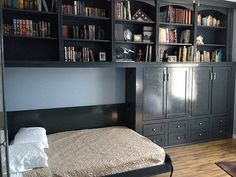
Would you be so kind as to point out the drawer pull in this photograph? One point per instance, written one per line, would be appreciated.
(221, 131)
(154, 141)
(154, 130)
(179, 138)
(200, 123)
(200, 134)
(221, 121)
(178, 126)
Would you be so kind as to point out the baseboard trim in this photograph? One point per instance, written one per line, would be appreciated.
(234, 136)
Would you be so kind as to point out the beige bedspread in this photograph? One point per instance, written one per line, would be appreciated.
(97, 152)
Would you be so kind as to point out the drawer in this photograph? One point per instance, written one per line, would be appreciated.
(153, 129)
(178, 126)
(199, 135)
(219, 132)
(159, 140)
(200, 123)
(219, 122)
(178, 138)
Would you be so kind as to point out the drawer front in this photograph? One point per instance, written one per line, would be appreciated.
(219, 122)
(178, 138)
(159, 140)
(200, 123)
(219, 132)
(199, 135)
(154, 129)
(178, 126)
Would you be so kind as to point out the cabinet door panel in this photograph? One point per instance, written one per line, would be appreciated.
(154, 93)
(220, 90)
(201, 91)
(177, 92)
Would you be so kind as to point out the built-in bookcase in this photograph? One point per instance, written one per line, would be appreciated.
(113, 31)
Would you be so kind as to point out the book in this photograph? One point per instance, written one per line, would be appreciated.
(45, 5)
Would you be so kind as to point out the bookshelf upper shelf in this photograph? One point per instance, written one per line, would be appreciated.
(30, 37)
(212, 27)
(211, 45)
(134, 21)
(175, 44)
(175, 24)
(130, 42)
(86, 17)
(86, 40)
(26, 11)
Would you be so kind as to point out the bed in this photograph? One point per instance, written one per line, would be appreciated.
(78, 148)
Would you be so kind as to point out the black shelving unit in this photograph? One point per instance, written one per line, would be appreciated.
(29, 48)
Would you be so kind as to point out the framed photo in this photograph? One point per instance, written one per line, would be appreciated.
(138, 38)
(102, 56)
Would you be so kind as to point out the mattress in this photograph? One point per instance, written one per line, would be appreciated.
(98, 152)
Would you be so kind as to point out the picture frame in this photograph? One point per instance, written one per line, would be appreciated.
(138, 38)
(102, 56)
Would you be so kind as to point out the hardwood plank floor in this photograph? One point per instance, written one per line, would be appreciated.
(199, 160)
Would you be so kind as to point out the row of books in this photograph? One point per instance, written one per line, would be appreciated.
(39, 5)
(176, 15)
(83, 55)
(28, 28)
(183, 54)
(167, 35)
(207, 56)
(123, 10)
(90, 32)
(208, 21)
(79, 9)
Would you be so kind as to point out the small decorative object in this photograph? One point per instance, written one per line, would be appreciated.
(139, 55)
(147, 33)
(199, 40)
(128, 35)
(101, 33)
(122, 52)
(172, 58)
(140, 16)
(165, 56)
(138, 38)
(102, 56)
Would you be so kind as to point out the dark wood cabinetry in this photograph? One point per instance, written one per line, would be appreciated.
(184, 104)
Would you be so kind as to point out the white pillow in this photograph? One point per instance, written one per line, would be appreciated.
(32, 135)
(25, 157)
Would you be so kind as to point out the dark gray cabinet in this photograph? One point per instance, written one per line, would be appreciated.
(201, 91)
(220, 90)
(154, 93)
(165, 93)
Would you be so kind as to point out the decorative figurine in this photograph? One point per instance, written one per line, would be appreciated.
(165, 56)
(139, 55)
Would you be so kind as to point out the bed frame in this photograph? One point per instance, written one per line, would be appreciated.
(77, 118)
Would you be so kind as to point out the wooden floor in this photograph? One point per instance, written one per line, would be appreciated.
(199, 160)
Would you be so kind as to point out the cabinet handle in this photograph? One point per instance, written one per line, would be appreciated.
(154, 141)
(221, 131)
(221, 121)
(214, 76)
(200, 123)
(154, 129)
(178, 126)
(164, 77)
(200, 134)
(168, 76)
(179, 138)
(211, 76)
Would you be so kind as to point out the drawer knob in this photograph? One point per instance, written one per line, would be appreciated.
(200, 123)
(221, 131)
(154, 141)
(154, 130)
(178, 137)
(200, 134)
(178, 126)
(221, 121)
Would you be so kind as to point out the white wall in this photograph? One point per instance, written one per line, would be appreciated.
(39, 88)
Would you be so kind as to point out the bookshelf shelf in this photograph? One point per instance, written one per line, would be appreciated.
(211, 45)
(86, 40)
(139, 43)
(26, 11)
(82, 17)
(175, 44)
(212, 27)
(175, 24)
(120, 21)
(31, 37)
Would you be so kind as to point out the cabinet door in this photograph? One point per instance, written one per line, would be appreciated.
(220, 90)
(177, 92)
(201, 91)
(154, 93)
